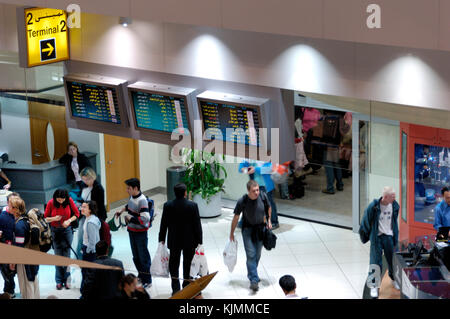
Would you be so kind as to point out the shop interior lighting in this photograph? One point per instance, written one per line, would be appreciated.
(125, 21)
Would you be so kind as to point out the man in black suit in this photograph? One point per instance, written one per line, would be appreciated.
(181, 217)
(102, 283)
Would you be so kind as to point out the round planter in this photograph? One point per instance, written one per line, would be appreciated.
(211, 209)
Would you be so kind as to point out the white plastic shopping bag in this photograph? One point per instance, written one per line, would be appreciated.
(199, 265)
(230, 254)
(160, 263)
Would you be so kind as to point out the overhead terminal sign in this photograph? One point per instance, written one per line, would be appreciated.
(46, 36)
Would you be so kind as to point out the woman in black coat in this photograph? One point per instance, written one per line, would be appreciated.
(91, 189)
(75, 162)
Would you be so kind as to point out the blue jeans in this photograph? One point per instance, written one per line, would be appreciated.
(141, 256)
(385, 243)
(333, 172)
(8, 276)
(253, 252)
(284, 190)
(62, 241)
(79, 248)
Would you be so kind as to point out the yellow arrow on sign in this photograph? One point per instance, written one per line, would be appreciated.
(49, 49)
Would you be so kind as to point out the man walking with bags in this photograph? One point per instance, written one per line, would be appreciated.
(257, 212)
(181, 219)
(380, 226)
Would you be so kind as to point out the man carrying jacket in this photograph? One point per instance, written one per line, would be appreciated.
(256, 212)
(380, 226)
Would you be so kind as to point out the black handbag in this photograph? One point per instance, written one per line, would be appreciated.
(75, 223)
(269, 240)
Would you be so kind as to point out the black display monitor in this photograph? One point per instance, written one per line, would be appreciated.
(96, 99)
(158, 110)
(218, 116)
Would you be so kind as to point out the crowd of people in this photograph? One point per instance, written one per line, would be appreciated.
(83, 208)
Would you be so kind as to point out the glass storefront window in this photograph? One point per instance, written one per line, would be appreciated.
(431, 173)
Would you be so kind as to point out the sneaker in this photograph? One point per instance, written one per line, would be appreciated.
(254, 286)
(11, 296)
(59, 286)
(275, 226)
(326, 191)
(67, 285)
(374, 292)
(341, 189)
(395, 284)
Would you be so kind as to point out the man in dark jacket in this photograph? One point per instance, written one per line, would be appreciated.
(181, 217)
(102, 283)
(380, 226)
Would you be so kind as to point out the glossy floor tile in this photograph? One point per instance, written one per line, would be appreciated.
(327, 262)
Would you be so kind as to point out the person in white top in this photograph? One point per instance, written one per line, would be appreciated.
(380, 226)
(91, 234)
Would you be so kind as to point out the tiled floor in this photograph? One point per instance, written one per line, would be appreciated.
(327, 262)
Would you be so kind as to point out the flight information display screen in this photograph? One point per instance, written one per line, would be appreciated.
(93, 102)
(159, 112)
(219, 116)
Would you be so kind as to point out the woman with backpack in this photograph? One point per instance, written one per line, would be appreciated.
(27, 274)
(61, 213)
(91, 233)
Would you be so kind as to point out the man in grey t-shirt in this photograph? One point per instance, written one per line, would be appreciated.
(257, 211)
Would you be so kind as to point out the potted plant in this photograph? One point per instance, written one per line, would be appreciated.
(204, 179)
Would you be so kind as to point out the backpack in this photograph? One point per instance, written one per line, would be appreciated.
(105, 232)
(151, 210)
(40, 232)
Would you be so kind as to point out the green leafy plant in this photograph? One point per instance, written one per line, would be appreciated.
(203, 173)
